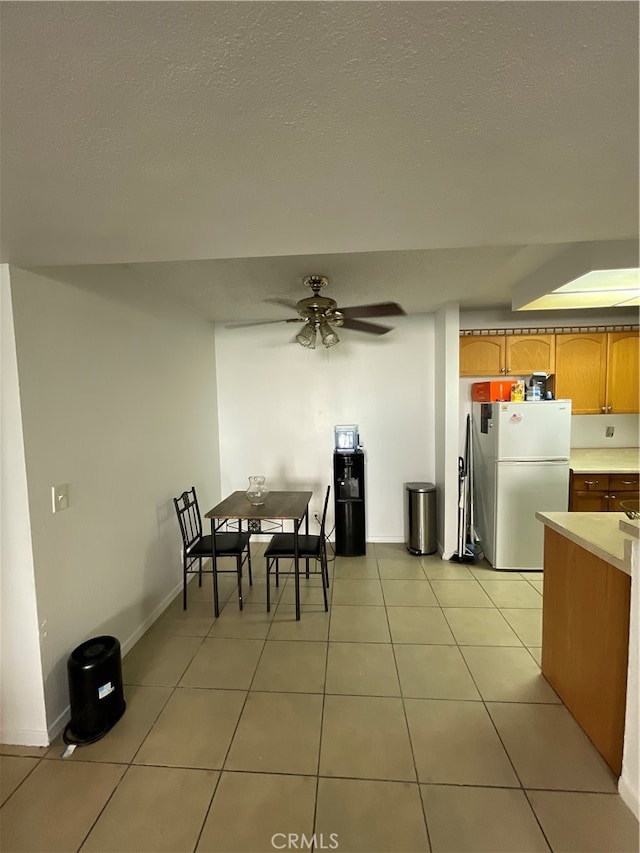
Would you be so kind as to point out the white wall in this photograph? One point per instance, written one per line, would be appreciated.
(590, 430)
(279, 403)
(505, 319)
(118, 401)
(22, 708)
(447, 366)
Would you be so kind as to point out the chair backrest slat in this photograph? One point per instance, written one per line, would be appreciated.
(324, 513)
(188, 513)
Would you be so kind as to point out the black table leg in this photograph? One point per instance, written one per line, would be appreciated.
(239, 569)
(214, 569)
(296, 527)
(306, 531)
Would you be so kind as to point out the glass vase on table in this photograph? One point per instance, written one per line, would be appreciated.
(257, 491)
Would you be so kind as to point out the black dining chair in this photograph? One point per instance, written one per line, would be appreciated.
(282, 547)
(197, 548)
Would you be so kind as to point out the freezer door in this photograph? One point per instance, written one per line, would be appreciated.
(522, 489)
(530, 431)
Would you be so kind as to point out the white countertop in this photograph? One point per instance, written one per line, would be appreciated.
(614, 460)
(631, 526)
(608, 535)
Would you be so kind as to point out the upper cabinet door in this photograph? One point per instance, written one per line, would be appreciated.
(482, 355)
(581, 370)
(527, 353)
(622, 373)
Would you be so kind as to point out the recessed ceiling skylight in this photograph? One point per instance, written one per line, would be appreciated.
(603, 280)
(595, 289)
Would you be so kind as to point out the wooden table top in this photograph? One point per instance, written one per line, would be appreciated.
(289, 505)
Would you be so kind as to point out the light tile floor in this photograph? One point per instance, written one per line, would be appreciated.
(411, 717)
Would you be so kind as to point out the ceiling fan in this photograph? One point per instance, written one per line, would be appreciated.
(318, 312)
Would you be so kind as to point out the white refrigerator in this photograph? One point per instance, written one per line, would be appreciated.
(521, 466)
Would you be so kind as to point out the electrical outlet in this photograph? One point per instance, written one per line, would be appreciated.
(609, 432)
(60, 497)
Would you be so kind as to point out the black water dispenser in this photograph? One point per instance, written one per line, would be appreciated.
(349, 503)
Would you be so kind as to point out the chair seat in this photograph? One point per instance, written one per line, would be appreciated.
(227, 545)
(282, 545)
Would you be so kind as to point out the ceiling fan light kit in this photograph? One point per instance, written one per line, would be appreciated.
(306, 337)
(321, 314)
(329, 337)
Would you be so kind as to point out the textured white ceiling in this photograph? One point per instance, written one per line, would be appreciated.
(139, 133)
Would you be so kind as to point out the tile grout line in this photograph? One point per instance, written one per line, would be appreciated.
(324, 695)
(406, 719)
(506, 751)
(231, 739)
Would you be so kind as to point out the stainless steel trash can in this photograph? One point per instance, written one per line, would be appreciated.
(420, 532)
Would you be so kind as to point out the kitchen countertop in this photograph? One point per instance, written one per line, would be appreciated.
(608, 535)
(614, 460)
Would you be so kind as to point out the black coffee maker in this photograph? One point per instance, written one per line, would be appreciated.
(539, 379)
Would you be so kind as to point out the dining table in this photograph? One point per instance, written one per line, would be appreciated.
(284, 506)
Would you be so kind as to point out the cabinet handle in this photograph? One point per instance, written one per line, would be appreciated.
(628, 482)
(503, 370)
(591, 482)
(611, 497)
(609, 408)
(508, 370)
(603, 408)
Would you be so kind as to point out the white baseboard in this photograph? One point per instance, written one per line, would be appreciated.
(130, 642)
(383, 539)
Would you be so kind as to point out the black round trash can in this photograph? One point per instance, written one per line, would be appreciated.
(96, 696)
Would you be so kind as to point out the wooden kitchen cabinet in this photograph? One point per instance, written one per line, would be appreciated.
(516, 355)
(589, 502)
(528, 353)
(598, 372)
(622, 487)
(581, 371)
(601, 492)
(585, 640)
(482, 355)
(623, 374)
(589, 493)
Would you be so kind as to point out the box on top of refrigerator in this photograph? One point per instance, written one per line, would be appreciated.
(491, 392)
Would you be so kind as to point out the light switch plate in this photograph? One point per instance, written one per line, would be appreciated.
(60, 497)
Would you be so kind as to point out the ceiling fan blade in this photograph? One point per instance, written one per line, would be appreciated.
(377, 309)
(286, 303)
(261, 323)
(361, 326)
